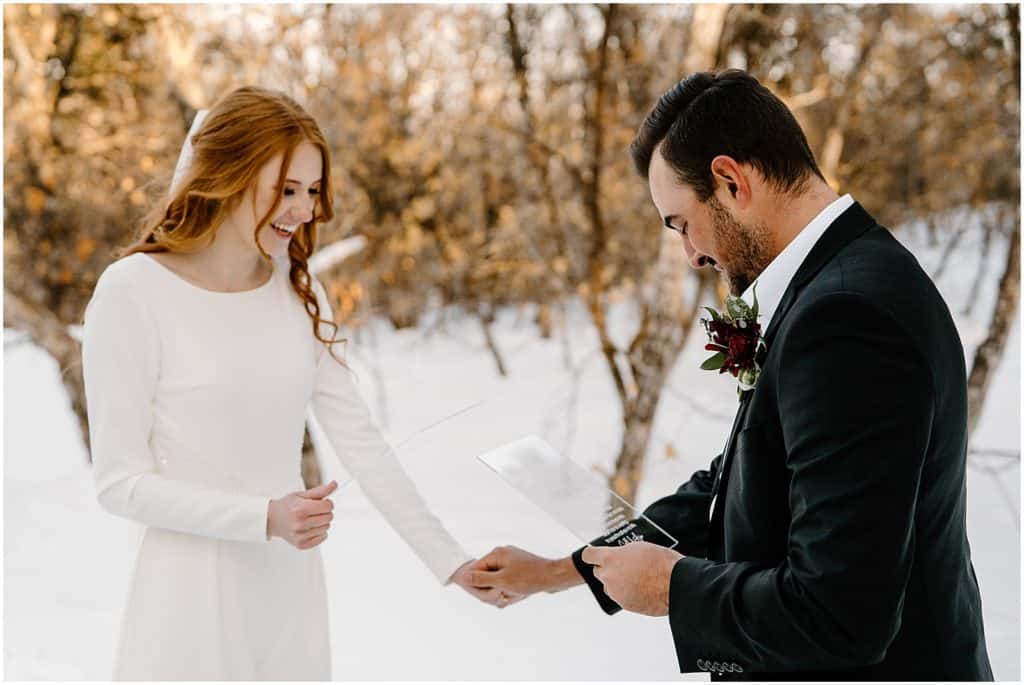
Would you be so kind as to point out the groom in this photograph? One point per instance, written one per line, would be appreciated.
(828, 541)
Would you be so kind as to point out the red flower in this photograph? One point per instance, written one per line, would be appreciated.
(738, 344)
(742, 345)
(734, 337)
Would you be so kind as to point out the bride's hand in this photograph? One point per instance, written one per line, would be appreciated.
(302, 518)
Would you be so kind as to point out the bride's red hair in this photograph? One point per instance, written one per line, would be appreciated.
(243, 131)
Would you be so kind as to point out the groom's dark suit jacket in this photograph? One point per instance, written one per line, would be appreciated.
(837, 544)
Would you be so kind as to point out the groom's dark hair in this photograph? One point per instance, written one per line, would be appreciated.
(726, 113)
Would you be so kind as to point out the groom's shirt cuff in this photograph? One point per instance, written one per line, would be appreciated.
(587, 572)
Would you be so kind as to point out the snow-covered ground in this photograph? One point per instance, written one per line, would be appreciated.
(67, 563)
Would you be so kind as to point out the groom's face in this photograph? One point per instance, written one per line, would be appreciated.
(711, 235)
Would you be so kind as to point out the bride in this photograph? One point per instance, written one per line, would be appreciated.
(203, 346)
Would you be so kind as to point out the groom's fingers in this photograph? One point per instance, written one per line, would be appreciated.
(483, 579)
(494, 560)
(595, 556)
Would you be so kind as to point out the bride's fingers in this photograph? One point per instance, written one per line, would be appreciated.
(512, 599)
(494, 596)
(319, 521)
(312, 541)
(313, 531)
(479, 594)
(310, 544)
(319, 491)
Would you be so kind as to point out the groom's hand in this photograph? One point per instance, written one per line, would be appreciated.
(636, 575)
(519, 574)
(488, 595)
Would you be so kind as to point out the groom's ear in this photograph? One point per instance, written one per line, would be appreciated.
(732, 179)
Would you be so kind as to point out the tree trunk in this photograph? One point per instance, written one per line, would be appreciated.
(835, 137)
(665, 325)
(544, 320)
(990, 351)
(50, 333)
(486, 317)
(652, 356)
(311, 476)
(979, 275)
(596, 267)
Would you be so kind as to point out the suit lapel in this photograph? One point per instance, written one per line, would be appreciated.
(848, 226)
(721, 480)
(741, 413)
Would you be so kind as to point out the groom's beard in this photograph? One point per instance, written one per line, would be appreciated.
(746, 250)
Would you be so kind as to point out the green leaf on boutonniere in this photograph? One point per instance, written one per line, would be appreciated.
(737, 308)
(714, 362)
(714, 315)
(754, 308)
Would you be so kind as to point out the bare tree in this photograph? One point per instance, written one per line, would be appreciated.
(666, 320)
(990, 351)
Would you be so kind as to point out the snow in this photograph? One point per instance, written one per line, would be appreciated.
(67, 563)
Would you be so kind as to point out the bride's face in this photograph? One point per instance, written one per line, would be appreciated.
(298, 199)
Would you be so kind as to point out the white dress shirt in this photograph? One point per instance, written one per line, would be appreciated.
(775, 278)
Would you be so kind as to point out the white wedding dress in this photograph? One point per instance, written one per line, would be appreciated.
(197, 402)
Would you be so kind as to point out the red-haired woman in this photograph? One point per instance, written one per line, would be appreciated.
(203, 346)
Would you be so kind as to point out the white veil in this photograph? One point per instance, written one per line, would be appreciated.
(185, 156)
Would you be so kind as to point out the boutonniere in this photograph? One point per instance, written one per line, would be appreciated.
(735, 338)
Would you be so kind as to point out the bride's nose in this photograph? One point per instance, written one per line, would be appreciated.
(300, 216)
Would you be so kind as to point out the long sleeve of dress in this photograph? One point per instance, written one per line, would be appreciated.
(121, 363)
(345, 419)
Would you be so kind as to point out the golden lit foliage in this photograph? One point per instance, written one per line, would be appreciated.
(480, 149)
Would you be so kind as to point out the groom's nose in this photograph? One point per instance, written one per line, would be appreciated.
(696, 258)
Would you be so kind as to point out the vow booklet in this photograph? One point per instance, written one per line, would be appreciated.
(572, 495)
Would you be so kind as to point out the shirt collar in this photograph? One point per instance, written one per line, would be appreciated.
(773, 281)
